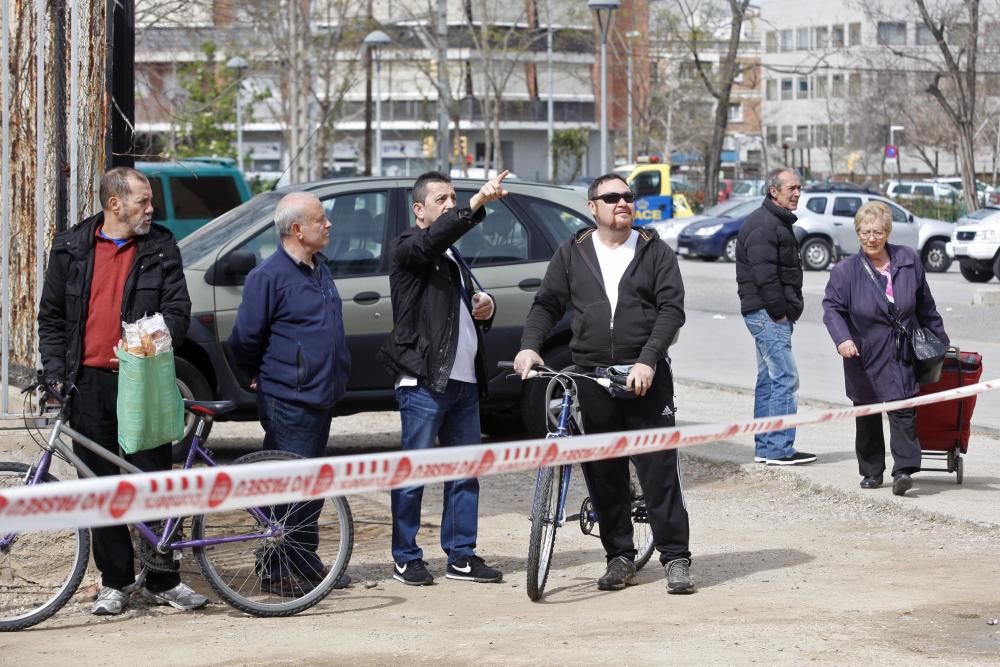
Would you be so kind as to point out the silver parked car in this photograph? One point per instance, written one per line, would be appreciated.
(825, 230)
(509, 252)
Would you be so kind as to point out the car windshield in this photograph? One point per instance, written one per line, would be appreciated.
(217, 233)
(746, 207)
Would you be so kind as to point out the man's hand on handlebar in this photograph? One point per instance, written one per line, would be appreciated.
(525, 361)
(640, 379)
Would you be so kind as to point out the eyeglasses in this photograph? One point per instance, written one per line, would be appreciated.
(874, 234)
(614, 197)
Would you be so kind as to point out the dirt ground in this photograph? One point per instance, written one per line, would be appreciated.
(789, 573)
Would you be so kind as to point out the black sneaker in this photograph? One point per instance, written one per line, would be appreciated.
(679, 576)
(474, 568)
(795, 459)
(620, 573)
(287, 587)
(901, 483)
(412, 573)
(317, 577)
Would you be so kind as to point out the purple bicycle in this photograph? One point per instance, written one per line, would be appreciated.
(251, 558)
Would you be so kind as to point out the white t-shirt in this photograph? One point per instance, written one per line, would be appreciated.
(613, 262)
(464, 368)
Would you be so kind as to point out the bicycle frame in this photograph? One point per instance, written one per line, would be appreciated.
(562, 430)
(161, 542)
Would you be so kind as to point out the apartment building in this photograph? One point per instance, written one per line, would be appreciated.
(285, 91)
(842, 80)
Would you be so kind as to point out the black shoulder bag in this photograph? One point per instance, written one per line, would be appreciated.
(926, 350)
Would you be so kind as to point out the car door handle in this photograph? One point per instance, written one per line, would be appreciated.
(530, 284)
(838, 224)
(367, 298)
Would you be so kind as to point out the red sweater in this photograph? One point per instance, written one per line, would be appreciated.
(103, 329)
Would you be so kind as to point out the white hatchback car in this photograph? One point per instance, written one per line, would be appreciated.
(825, 230)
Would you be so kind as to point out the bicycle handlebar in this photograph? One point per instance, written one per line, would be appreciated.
(601, 377)
(48, 388)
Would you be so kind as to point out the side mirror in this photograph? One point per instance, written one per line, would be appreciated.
(909, 218)
(239, 263)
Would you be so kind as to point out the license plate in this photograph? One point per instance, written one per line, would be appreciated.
(683, 251)
(959, 249)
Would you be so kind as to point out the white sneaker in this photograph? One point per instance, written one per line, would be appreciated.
(110, 602)
(180, 596)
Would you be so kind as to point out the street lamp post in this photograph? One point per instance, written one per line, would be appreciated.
(630, 35)
(239, 66)
(375, 40)
(604, 9)
(893, 129)
(550, 106)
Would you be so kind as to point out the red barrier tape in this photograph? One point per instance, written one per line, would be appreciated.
(126, 499)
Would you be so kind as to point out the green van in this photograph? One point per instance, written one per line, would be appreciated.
(190, 192)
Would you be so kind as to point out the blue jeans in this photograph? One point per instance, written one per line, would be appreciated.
(453, 418)
(303, 430)
(777, 381)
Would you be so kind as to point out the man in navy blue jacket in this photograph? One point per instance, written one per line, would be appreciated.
(289, 335)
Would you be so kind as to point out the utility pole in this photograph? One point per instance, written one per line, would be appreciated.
(444, 94)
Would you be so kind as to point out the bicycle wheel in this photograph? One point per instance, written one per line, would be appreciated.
(39, 570)
(240, 571)
(544, 521)
(642, 532)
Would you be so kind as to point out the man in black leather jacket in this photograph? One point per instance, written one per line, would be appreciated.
(624, 288)
(435, 351)
(115, 266)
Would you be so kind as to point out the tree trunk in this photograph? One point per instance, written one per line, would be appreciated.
(967, 156)
(25, 133)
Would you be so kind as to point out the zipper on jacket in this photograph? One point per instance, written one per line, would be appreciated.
(612, 331)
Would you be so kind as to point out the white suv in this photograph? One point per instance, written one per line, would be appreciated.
(977, 249)
(825, 230)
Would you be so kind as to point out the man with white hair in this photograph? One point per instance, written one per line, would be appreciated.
(289, 336)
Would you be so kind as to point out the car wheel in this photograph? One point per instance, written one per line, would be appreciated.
(935, 257)
(193, 386)
(817, 254)
(533, 408)
(973, 273)
(729, 252)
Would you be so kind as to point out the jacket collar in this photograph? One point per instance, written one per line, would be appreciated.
(646, 234)
(782, 214)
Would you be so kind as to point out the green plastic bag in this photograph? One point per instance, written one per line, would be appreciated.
(150, 407)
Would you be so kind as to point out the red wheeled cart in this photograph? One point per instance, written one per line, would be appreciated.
(943, 428)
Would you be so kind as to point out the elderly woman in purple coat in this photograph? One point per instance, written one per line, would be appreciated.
(862, 294)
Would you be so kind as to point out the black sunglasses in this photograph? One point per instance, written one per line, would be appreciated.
(615, 197)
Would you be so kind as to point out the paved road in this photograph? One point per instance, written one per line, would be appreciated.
(715, 347)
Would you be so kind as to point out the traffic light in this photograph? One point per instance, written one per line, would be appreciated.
(463, 145)
(429, 148)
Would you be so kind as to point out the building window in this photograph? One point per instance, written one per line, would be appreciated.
(960, 34)
(822, 86)
(802, 135)
(803, 88)
(802, 39)
(822, 38)
(772, 135)
(854, 84)
(772, 89)
(786, 134)
(786, 89)
(837, 36)
(837, 85)
(821, 133)
(772, 42)
(837, 134)
(735, 112)
(787, 40)
(854, 34)
(892, 34)
(924, 36)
